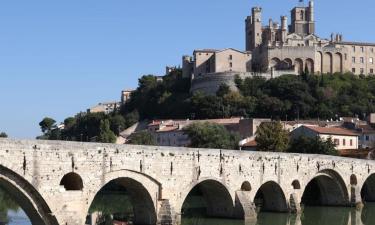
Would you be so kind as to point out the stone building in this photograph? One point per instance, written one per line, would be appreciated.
(343, 138)
(279, 48)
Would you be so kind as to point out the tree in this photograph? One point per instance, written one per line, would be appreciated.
(313, 146)
(271, 137)
(142, 138)
(3, 135)
(47, 124)
(118, 123)
(106, 135)
(209, 135)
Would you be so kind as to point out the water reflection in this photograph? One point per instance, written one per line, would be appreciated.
(10, 211)
(310, 216)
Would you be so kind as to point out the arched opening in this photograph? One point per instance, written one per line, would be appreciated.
(209, 198)
(296, 185)
(275, 63)
(19, 196)
(298, 66)
(270, 198)
(309, 69)
(327, 63)
(327, 188)
(72, 182)
(353, 180)
(124, 200)
(368, 189)
(246, 186)
(319, 62)
(337, 63)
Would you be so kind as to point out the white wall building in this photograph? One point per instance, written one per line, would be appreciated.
(343, 138)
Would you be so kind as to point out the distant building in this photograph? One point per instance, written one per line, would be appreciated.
(278, 48)
(125, 96)
(105, 107)
(343, 138)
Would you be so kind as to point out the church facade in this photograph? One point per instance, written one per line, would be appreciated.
(280, 48)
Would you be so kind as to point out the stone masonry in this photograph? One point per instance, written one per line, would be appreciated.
(160, 179)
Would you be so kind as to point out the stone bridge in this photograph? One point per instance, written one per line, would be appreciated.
(56, 182)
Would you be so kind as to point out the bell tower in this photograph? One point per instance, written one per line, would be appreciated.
(303, 21)
(254, 29)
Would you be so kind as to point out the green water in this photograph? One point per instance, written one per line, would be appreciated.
(310, 216)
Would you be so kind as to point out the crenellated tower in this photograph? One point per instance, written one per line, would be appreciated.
(254, 29)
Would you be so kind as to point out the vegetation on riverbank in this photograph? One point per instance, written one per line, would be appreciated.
(287, 97)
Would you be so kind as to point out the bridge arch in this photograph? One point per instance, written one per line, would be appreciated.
(72, 182)
(270, 197)
(246, 186)
(368, 189)
(142, 190)
(27, 197)
(326, 188)
(216, 196)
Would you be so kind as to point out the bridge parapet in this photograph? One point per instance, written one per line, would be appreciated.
(160, 179)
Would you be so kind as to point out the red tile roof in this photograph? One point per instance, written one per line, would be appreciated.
(332, 130)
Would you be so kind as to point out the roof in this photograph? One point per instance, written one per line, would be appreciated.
(366, 129)
(220, 50)
(332, 130)
(356, 43)
(252, 143)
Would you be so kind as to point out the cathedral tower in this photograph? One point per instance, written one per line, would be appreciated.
(303, 21)
(254, 29)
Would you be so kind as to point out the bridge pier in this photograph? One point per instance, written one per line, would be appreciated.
(244, 208)
(295, 203)
(355, 197)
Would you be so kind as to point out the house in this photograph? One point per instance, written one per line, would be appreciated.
(366, 136)
(105, 107)
(343, 138)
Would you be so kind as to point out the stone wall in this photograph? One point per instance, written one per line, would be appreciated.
(210, 83)
(162, 177)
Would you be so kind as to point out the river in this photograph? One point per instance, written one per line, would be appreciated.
(311, 216)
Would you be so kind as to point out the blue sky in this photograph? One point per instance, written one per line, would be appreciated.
(60, 57)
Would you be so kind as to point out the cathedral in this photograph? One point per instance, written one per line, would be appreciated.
(279, 48)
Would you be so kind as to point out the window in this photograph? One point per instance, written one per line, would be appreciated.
(353, 70)
(362, 49)
(371, 60)
(344, 142)
(353, 47)
(353, 59)
(302, 15)
(351, 142)
(230, 57)
(372, 50)
(336, 141)
(346, 56)
(258, 34)
(362, 60)
(362, 71)
(230, 65)
(372, 71)
(367, 138)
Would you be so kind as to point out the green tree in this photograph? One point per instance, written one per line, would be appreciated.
(118, 123)
(142, 138)
(47, 124)
(106, 135)
(209, 135)
(3, 135)
(312, 146)
(271, 137)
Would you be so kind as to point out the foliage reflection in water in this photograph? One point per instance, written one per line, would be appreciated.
(10, 211)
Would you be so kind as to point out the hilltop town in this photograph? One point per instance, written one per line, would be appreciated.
(287, 76)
